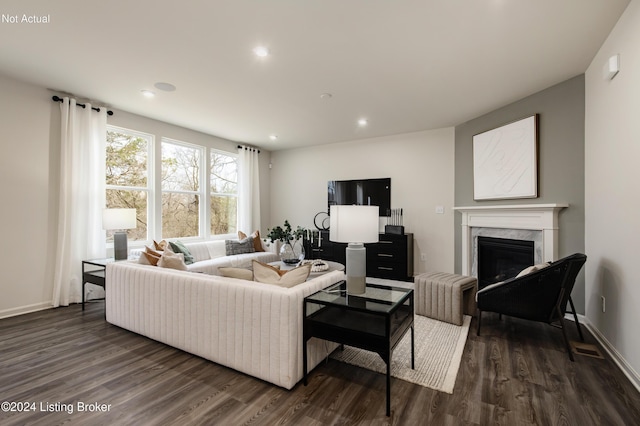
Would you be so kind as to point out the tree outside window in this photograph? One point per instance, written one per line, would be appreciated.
(127, 176)
(223, 176)
(181, 165)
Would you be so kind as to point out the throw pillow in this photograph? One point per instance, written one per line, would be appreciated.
(257, 243)
(532, 268)
(149, 257)
(172, 260)
(239, 247)
(179, 247)
(241, 273)
(160, 246)
(267, 274)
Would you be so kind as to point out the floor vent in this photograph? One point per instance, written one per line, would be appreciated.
(586, 349)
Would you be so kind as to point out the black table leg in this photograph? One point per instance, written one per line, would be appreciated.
(389, 386)
(413, 364)
(304, 361)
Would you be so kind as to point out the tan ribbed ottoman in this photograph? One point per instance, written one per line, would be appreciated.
(445, 297)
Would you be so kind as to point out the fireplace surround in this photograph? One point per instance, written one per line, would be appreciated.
(536, 222)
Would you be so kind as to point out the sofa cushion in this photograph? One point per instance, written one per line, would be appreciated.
(241, 273)
(172, 260)
(216, 249)
(257, 243)
(268, 274)
(179, 247)
(239, 247)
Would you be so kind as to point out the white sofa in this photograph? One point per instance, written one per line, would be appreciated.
(211, 255)
(251, 327)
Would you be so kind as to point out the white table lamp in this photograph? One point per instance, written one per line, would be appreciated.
(355, 225)
(119, 219)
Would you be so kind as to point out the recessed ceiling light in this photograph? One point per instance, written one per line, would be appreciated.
(326, 96)
(362, 122)
(261, 51)
(166, 87)
(148, 93)
(273, 137)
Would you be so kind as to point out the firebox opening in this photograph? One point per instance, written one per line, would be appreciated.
(500, 259)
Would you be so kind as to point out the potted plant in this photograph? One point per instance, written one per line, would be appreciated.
(292, 249)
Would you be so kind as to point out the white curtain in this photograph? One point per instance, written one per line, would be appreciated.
(82, 197)
(248, 189)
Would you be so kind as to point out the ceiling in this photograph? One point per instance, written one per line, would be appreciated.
(404, 65)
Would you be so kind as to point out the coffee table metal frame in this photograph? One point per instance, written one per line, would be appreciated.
(375, 321)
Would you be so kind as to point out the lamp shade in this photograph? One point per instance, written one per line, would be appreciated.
(118, 219)
(354, 224)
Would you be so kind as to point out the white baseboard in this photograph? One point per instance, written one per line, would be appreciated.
(12, 312)
(613, 353)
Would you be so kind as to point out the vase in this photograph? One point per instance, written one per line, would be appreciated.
(292, 252)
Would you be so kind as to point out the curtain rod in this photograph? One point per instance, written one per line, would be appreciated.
(247, 147)
(58, 99)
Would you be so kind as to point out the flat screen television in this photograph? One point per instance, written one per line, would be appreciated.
(361, 192)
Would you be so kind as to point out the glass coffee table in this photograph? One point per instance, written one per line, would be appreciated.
(374, 321)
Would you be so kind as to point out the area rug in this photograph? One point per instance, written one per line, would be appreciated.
(438, 352)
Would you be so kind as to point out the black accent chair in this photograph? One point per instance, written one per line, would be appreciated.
(539, 296)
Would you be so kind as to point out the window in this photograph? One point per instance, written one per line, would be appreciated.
(181, 189)
(191, 192)
(127, 176)
(223, 175)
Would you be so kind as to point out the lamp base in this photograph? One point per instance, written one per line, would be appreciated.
(356, 268)
(120, 250)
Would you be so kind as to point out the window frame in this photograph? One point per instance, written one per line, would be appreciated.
(150, 138)
(202, 184)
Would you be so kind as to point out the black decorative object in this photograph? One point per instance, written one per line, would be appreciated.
(321, 221)
(395, 222)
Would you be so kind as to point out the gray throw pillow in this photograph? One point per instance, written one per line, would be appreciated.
(239, 247)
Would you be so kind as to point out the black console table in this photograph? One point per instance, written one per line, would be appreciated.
(391, 257)
(374, 321)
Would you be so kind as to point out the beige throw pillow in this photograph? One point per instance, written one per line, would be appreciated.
(267, 274)
(532, 268)
(160, 246)
(240, 273)
(172, 260)
(149, 257)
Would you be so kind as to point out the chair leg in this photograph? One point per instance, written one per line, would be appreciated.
(564, 334)
(479, 319)
(575, 317)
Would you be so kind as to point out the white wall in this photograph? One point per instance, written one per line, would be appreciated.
(28, 208)
(612, 195)
(420, 166)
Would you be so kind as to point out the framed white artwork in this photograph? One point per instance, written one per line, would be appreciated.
(505, 161)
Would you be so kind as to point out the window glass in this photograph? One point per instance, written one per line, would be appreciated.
(127, 177)
(181, 165)
(223, 177)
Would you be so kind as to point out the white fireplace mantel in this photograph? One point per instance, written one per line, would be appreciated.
(540, 217)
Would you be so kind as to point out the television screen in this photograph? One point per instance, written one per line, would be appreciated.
(361, 192)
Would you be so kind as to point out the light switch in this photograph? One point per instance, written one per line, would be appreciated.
(440, 209)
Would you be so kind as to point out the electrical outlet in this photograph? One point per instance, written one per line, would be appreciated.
(603, 303)
(423, 257)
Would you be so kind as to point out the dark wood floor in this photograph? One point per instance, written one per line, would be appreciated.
(515, 373)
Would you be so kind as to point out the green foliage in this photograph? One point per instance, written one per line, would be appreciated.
(285, 234)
